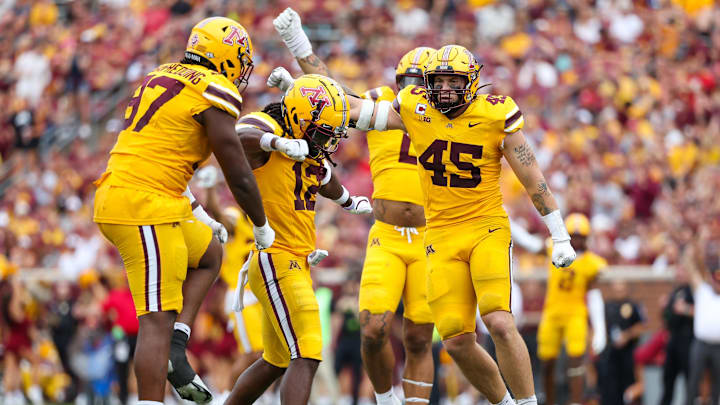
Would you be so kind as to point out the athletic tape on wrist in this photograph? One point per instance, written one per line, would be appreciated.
(366, 113)
(266, 141)
(344, 197)
(381, 117)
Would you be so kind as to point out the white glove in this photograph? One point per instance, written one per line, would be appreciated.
(238, 301)
(219, 231)
(295, 149)
(280, 78)
(359, 205)
(563, 254)
(289, 27)
(206, 177)
(317, 256)
(264, 236)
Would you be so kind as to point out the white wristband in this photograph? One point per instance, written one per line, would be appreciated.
(328, 173)
(381, 117)
(344, 197)
(266, 141)
(187, 193)
(366, 113)
(556, 226)
(202, 216)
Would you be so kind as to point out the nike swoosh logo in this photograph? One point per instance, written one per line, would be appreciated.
(492, 230)
(470, 124)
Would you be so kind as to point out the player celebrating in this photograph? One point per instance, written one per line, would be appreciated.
(314, 115)
(179, 115)
(565, 315)
(460, 137)
(395, 260)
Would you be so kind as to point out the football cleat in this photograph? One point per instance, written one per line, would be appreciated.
(181, 375)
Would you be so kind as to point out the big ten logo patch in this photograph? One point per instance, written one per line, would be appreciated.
(294, 265)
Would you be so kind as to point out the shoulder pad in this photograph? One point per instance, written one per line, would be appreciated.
(379, 94)
(261, 121)
(503, 109)
(222, 94)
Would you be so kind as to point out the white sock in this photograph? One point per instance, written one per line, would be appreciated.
(507, 400)
(531, 400)
(183, 327)
(149, 403)
(386, 398)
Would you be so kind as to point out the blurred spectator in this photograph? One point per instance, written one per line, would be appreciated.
(678, 317)
(118, 306)
(616, 365)
(705, 350)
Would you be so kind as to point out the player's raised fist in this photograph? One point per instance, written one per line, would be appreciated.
(289, 27)
(280, 78)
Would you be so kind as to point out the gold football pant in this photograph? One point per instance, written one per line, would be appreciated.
(395, 267)
(291, 318)
(156, 259)
(469, 268)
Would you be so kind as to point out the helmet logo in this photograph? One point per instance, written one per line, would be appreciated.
(317, 97)
(235, 36)
(194, 39)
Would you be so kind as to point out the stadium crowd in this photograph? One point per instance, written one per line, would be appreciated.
(621, 101)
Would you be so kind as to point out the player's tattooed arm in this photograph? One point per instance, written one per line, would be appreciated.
(520, 156)
(542, 193)
(313, 64)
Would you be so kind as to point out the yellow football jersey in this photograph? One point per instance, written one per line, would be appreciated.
(393, 162)
(161, 145)
(288, 190)
(566, 287)
(459, 159)
(236, 251)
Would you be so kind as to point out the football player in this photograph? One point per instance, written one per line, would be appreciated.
(460, 136)
(394, 265)
(180, 114)
(565, 316)
(309, 122)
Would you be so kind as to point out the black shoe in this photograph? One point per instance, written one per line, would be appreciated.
(181, 375)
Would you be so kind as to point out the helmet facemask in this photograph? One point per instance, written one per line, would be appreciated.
(434, 95)
(247, 67)
(323, 140)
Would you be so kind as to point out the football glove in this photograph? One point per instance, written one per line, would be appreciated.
(359, 205)
(563, 253)
(289, 27)
(264, 236)
(219, 230)
(295, 149)
(280, 78)
(317, 256)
